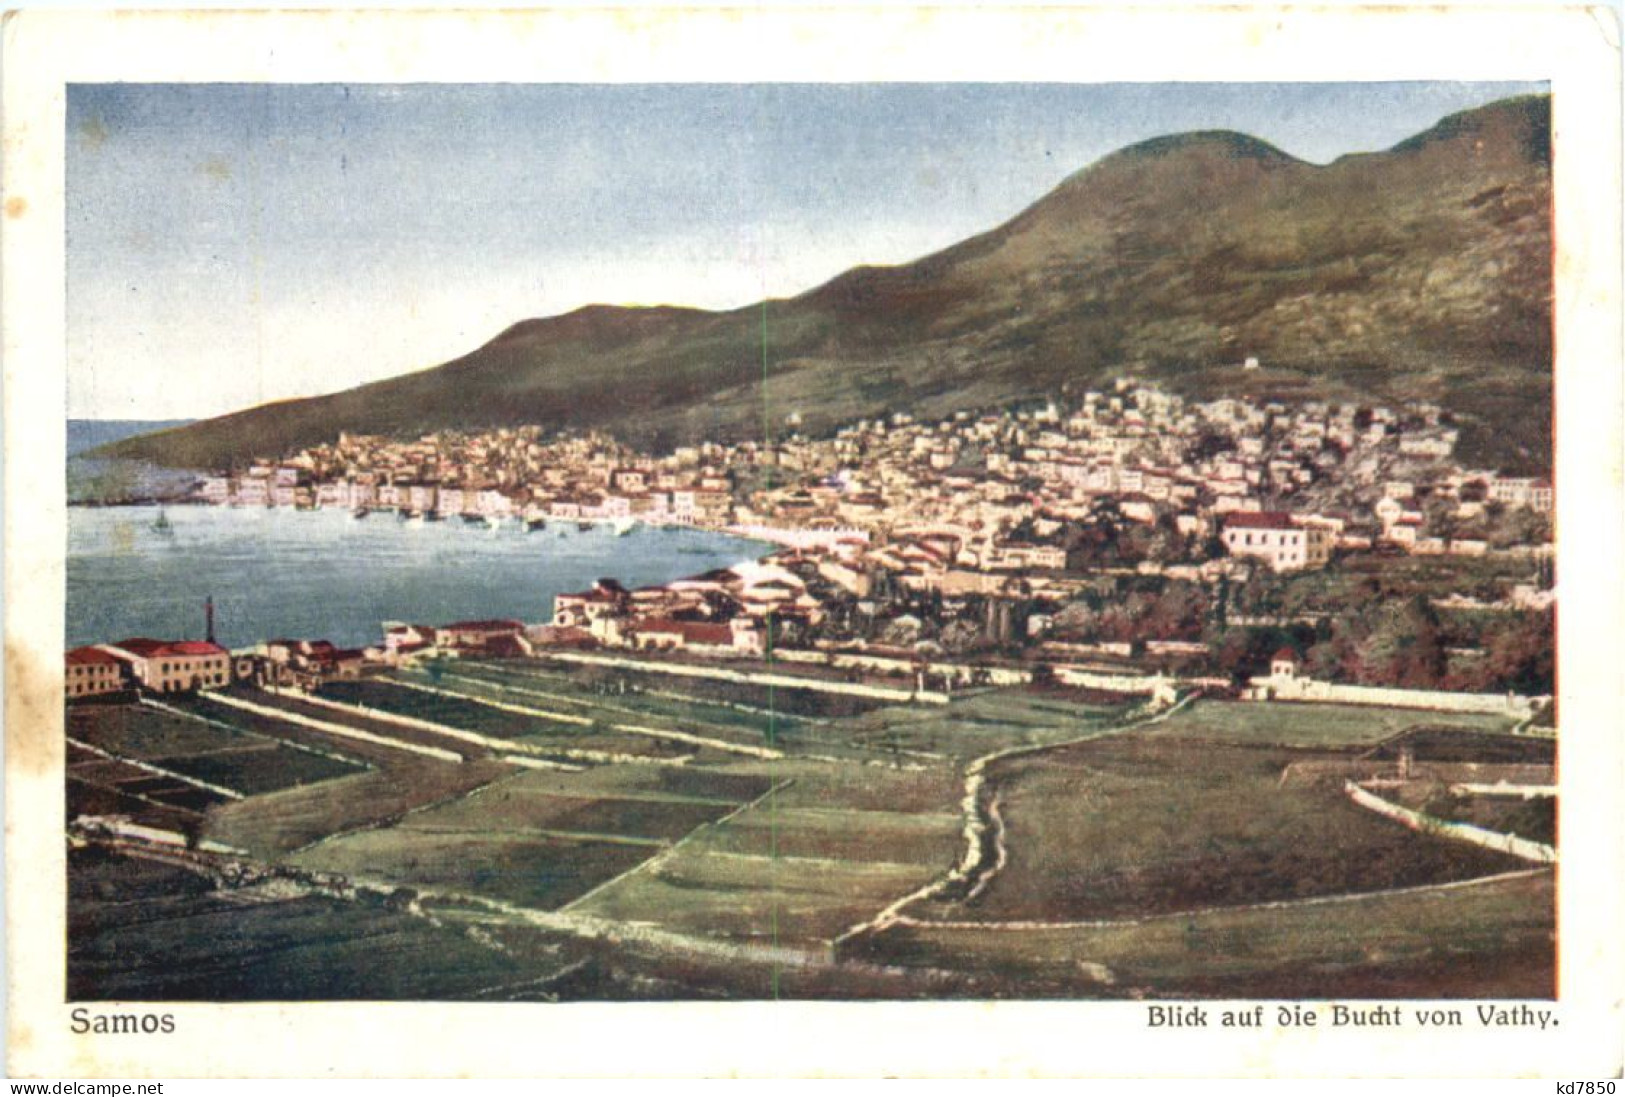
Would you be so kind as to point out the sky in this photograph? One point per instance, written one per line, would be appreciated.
(230, 245)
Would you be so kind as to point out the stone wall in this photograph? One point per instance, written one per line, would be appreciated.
(1464, 832)
(1280, 687)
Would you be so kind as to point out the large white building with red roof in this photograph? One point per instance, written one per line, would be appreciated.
(172, 666)
(91, 671)
(1278, 539)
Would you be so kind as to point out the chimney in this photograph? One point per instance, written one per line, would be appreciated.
(208, 617)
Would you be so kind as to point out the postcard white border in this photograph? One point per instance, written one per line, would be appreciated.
(1575, 48)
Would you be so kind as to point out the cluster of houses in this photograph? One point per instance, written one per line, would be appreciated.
(511, 473)
(152, 666)
(1246, 473)
(163, 667)
(725, 611)
(975, 506)
(1004, 486)
(497, 637)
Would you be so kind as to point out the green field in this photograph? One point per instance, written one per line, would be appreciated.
(254, 770)
(1309, 725)
(275, 824)
(133, 731)
(832, 845)
(224, 759)
(532, 872)
(697, 875)
(538, 838)
(1134, 825)
(438, 709)
(1487, 940)
(270, 727)
(144, 931)
(665, 704)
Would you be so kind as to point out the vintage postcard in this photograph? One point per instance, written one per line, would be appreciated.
(901, 537)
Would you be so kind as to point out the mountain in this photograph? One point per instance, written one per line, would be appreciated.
(1420, 273)
(86, 434)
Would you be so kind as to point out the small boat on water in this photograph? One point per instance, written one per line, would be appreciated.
(474, 519)
(584, 527)
(624, 526)
(161, 523)
(431, 516)
(495, 521)
(532, 525)
(359, 513)
(412, 517)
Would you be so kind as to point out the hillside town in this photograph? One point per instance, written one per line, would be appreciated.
(989, 494)
(1141, 588)
(1129, 526)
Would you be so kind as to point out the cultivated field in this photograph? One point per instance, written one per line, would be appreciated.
(661, 703)
(1139, 825)
(1482, 940)
(649, 836)
(136, 761)
(139, 930)
(1310, 725)
(831, 845)
(536, 839)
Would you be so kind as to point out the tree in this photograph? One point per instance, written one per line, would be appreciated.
(1404, 647)
(1077, 620)
(1521, 654)
(1177, 613)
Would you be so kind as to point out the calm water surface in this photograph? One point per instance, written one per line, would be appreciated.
(326, 575)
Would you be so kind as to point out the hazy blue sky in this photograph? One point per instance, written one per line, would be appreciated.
(233, 244)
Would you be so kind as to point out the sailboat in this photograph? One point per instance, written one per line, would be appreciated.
(161, 523)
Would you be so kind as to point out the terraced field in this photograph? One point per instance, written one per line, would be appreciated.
(139, 930)
(1142, 825)
(537, 839)
(275, 825)
(124, 760)
(1484, 940)
(1311, 725)
(659, 706)
(645, 838)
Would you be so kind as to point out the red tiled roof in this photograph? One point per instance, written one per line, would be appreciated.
(140, 645)
(693, 632)
(147, 648)
(662, 625)
(1269, 519)
(79, 657)
(486, 626)
(697, 632)
(193, 647)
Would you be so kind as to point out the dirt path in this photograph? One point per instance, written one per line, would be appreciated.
(985, 853)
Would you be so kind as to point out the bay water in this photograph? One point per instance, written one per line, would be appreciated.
(327, 575)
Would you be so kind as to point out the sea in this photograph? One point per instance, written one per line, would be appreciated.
(100, 480)
(325, 574)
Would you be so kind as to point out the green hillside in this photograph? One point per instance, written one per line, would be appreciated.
(1422, 272)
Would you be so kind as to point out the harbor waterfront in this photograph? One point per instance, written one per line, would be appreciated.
(281, 572)
(1151, 597)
